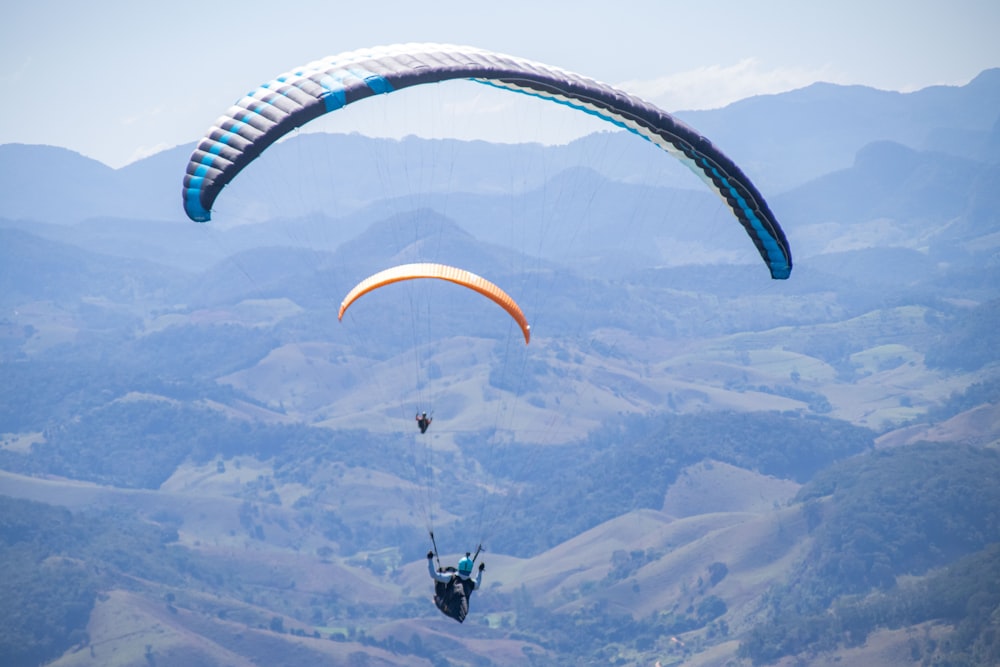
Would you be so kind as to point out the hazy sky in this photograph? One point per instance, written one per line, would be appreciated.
(120, 79)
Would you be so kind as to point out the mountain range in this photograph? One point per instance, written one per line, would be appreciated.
(690, 463)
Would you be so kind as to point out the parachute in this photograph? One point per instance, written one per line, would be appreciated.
(268, 113)
(441, 272)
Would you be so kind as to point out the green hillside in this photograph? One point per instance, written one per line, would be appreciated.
(252, 577)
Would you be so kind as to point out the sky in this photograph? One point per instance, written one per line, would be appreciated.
(118, 80)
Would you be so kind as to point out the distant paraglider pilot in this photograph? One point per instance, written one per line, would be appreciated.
(452, 587)
(423, 421)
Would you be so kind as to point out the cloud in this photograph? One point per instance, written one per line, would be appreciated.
(17, 73)
(142, 152)
(716, 86)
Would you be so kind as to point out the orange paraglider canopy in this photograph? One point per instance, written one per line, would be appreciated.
(441, 272)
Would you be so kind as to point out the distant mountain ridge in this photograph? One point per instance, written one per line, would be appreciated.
(782, 140)
(801, 134)
(892, 195)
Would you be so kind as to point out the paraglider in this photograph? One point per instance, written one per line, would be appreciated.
(268, 113)
(453, 586)
(441, 272)
(423, 421)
